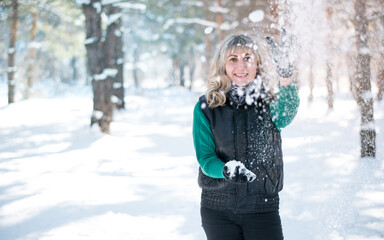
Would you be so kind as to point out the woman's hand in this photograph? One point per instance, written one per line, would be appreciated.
(284, 54)
(285, 82)
(234, 171)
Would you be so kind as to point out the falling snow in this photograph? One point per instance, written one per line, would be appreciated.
(62, 179)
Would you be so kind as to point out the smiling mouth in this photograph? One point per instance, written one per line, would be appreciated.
(241, 74)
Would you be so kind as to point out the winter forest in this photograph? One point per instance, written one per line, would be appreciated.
(96, 108)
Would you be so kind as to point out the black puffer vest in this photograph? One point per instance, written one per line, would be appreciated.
(247, 134)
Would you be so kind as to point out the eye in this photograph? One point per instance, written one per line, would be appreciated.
(249, 58)
(232, 59)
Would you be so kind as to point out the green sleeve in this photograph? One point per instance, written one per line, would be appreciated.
(204, 143)
(284, 106)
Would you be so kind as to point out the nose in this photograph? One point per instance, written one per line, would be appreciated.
(241, 63)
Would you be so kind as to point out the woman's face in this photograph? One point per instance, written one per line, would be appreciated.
(241, 67)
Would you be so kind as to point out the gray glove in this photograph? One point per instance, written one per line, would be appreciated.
(283, 55)
(235, 171)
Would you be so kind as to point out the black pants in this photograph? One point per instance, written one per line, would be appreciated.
(223, 225)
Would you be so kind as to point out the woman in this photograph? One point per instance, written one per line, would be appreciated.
(236, 131)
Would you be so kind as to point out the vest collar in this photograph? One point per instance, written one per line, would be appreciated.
(247, 95)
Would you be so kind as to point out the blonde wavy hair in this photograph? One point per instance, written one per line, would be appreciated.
(218, 83)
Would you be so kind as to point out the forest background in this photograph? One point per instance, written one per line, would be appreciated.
(123, 51)
(122, 42)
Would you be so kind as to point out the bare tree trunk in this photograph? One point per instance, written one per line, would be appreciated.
(207, 38)
(275, 11)
(74, 68)
(219, 21)
(352, 66)
(329, 80)
(135, 69)
(113, 48)
(380, 76)
(192, 66)
(367, 129)
(380, 81)
(109, 71)
(175, 67)
(182, 75)
(12, 54)
(31, 54)
(311, 81)
(94, 46)
(329, 77)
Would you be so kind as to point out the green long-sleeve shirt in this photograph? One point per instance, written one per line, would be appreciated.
(283, 109)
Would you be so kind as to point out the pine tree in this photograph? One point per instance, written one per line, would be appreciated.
(12, 53)
(363, 72)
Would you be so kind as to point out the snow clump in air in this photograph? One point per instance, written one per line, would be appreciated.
(256, 16)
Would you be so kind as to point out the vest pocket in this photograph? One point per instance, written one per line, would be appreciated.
(268, 179)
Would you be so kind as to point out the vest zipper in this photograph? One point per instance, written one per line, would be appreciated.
(236, 157)
(236, 138)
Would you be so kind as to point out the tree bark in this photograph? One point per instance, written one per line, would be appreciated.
(113, 48)
(219, 21)
(31, 54)
(182, 75)
(352, 66)
(94, 46)
(380, 81)
(311, 81)
(74, 69)
(329, 81)
(192, 67)
(12, 53)
(380, 77)
(275, 12)
(329, 77)
(135, 70)
(175, 67)
(367, 129)
(207, 40)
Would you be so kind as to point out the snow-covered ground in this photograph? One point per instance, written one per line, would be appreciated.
(61, 179)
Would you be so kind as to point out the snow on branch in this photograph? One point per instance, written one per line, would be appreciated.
(109, 2)
(367, 95)
(34, 45)
(11, 50)
(241, 3)
(81, 2)
(12, 82)
(117, 85)
(228, 26)
(11, 69)
(113, 18)
(108, 72)
(90, 40)
(368, 126)
(117, 33)
(128, 5)
(192, 3)
(365, 51)
(97, 114)
(97, 6)
(206, 23)
(120, 61)
(218, 9)
(115, 99)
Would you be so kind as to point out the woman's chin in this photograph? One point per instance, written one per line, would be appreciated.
(242, 83)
